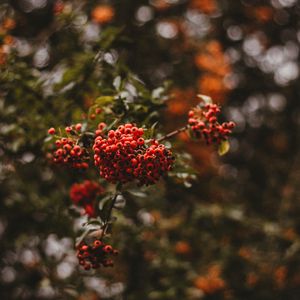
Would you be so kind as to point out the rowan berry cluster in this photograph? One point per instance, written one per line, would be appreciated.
(69, 153)
(123, 156)
(204, 124)
(85, 195)
(96, 255)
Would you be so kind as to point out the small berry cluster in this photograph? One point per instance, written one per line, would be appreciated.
(123, 156)
(69, 153)
(204, 124)
(155, 162)
(95, 255)
(72, 129)
(85, 194)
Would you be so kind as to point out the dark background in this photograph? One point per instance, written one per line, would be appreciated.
(235, 233)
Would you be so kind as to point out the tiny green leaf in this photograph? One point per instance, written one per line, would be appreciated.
(223, 148)
(102, 100)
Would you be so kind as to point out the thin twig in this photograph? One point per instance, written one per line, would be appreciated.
(112, 204)
(171, 134)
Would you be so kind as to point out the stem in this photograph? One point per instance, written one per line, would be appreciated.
(109, 213)
(171, 134)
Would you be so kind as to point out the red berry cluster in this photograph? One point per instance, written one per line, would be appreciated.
(69, 153)
(95, 255)
(73, 129)
(123, 156)
(204, 124)
(85, 194)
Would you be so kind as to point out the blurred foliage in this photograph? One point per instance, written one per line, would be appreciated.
(232, 232)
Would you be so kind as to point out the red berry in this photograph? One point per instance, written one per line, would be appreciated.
(204, 124)
(51, 130)
(121, 156)
(97, 243)
(93, 257)
(107, 248)
(68, 129)
(84, 248)
(78, 126)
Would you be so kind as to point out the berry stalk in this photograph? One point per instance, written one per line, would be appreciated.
(110, 208)
(173, 133)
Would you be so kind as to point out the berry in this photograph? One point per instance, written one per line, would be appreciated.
(123, 156)
(204, 124)
(85, 195)
(95, 257)
(97, 243)
(107, 248)
(70, 154)
(78, 127)
(51, 130)
(68, 129)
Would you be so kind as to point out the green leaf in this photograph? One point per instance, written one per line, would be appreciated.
(109, 35)
(223, 148)
(102, 100)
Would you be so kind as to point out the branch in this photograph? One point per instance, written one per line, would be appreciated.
(171, 134)
(110, 208)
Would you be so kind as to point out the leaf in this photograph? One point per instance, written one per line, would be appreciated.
(158, 92)
(102, 100)
(103, 201)
(104, 212)
(223, 148)
(117, 83)
(82, 237)
(205, 98)
(108, 36)
(137, 193)
(120, 202)
(88, 228)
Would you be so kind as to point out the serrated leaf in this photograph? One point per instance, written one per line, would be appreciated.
(223, 148)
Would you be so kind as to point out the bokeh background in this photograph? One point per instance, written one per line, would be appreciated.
(232, 232)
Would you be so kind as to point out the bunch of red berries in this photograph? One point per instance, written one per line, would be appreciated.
(156, 161)
(95, 255)
(204, 124)
(85, 194)
(69, 153)
(123, 156)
